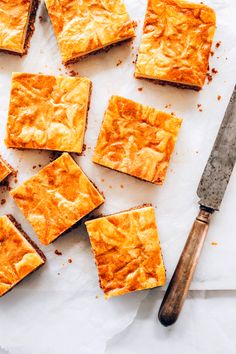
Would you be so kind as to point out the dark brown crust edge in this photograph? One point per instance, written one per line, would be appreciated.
(140, 206)
(6, 163)
(86, 122)
(170, 83)
(36, 248)
(9, 166)
(128, 174)
(101, 50)
(29, 32)
(32, 243)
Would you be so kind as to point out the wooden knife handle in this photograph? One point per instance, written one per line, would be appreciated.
(181, 280)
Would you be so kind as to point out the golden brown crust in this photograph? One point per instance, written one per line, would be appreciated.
(18, 257)
(136, 139)
(127, 251)
(17, 25)
(5, 169)
(47, 112)
(56, 198)
(176, 42)
(89, 25)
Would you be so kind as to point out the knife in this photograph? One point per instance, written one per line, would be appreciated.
(211, 190)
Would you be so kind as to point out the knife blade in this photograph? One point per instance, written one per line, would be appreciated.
(211, 191)
(221, 162)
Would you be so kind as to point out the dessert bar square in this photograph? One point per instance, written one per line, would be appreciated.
(136, 139)
(176, 43)
(5, 169)
(16, 25)
(19, 256)
(84, 26)
(127, 251)
(48, 112)
(56, 198)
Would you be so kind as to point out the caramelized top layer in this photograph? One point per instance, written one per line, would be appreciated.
(13, 25)
(47, 112)
(136, 139)
(56, 198)
(176, 42)
(127, 251)
(17, 257)
(87, 25)
(5, 170)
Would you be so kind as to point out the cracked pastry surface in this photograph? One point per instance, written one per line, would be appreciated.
(5, 169)
(136, 139)
(176, 42)
(56, 198)
(127, 251)
(47, 112)
(18, 257)
(82, 27)
(14, 22)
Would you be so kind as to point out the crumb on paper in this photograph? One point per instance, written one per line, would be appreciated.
(119, 62)
(197, 152)
(96, 296)
(5, 186)
(214, 71)
(73, 73)
(39, 165)
(121, 186)
(214, 243)
(218, 97)
(3, 201)
(102, 180)
(218, 44)
(58, 253)
(34, 167)
(54, 155)
(140, 88)
(168, 105)
(199, 106)
(212, 53)
(209, 77)
(58, 273)
(110, 186)
(135, 59)
(69, 260)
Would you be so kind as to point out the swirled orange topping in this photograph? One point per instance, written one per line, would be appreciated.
(47, 112)
(14, 23)
(136, 139)
(5, 170)
(82, 27)
(127, 251)
(18, 257)
(56, 198)
(176, 42)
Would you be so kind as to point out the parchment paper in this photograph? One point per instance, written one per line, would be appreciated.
(60, 308)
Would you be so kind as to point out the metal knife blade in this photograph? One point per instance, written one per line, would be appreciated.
(221, 162)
